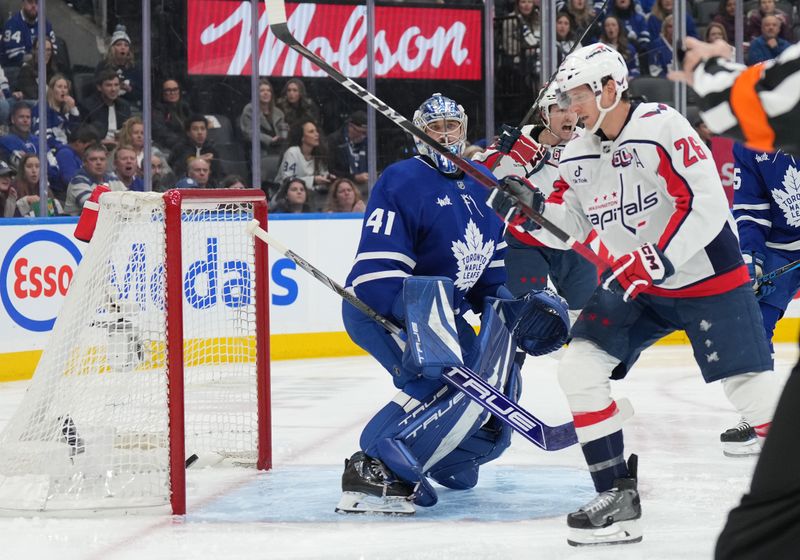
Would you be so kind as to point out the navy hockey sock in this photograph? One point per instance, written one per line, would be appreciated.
(605, 460)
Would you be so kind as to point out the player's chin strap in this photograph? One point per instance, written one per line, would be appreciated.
(603, 112)
(549, 438)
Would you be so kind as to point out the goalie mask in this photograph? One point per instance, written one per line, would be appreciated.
(445, 121)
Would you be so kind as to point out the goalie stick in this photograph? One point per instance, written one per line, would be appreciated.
(549, 438)
(276, 16)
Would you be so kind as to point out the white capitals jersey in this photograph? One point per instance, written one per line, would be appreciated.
(657, 183)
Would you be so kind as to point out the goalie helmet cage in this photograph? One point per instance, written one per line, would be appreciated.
(160, 351)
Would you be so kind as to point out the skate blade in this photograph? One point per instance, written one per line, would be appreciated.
(358, 502)
(621, 532)
(741, 449)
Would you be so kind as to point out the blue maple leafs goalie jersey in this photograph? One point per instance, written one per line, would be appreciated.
(420, 222)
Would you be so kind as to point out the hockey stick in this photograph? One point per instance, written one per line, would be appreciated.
(276, 15)
(770, 276)
(549, 438)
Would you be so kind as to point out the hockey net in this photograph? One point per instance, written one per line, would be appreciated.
(159, 352)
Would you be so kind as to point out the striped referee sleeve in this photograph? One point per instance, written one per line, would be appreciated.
(756, 104)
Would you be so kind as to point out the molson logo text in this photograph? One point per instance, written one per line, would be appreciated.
(422, 43)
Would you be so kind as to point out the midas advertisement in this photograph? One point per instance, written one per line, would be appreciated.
(40, 257)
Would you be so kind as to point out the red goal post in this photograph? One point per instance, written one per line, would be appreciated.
(160, 351)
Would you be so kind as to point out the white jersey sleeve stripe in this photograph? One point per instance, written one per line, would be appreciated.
(358, 280)
(767, 223)
(764, 206)
(389, 255)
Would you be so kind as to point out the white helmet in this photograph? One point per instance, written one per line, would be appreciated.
(435, 108)
(588, 66)
(549, 98)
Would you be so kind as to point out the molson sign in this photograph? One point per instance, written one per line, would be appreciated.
(419, 43)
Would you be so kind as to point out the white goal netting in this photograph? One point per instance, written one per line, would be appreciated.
(93, 430)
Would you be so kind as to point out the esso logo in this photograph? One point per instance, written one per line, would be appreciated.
(36, 273)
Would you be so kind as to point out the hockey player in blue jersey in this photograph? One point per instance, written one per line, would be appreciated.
(767, 215)
(426, 222)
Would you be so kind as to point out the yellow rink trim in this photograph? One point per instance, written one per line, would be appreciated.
(17, 366)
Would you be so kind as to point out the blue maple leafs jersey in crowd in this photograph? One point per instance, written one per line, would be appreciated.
(766, 201)
(420, 222)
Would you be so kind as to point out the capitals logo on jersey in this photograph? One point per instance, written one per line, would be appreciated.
(472, 256)
(788, 198)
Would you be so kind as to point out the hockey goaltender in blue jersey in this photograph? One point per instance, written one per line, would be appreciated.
(421, 221)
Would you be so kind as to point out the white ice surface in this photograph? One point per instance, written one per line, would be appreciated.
(516, 511)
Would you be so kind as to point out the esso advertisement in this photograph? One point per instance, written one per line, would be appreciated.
(40, 260)
(433, 43)
(36, 271)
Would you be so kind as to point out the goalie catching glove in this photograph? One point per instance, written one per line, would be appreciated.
(538, 320)
(636, 271)
(509, 194)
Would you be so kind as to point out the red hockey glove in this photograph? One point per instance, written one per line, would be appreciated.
(637, 271)
(521, 148)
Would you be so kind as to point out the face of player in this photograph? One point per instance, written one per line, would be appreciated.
(198, 132)
(31, 170)
(345, 195)
(562, 122)
(611, 27)
(137, 136)
(562, 27)
(310, 135)
(525, 7)
(199, 170)
(296, 194)
(96, 163)
(293, 93)
(582, 101)
(444, 131)
(264, 94)
(109, 90)
(21, 120)
(125, 163)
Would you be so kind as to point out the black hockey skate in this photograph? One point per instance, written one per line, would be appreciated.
(610, 518)
(740, 441)
(71, 436)
(369, 487)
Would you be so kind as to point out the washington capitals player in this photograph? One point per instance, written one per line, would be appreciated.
(642, 179)
(766, 213)
(535, 156)
(427, 221)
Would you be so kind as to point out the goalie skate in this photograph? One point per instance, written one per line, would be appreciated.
(369, 487)
(612, 517)
(740, 441)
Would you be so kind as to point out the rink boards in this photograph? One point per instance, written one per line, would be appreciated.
(40, 256)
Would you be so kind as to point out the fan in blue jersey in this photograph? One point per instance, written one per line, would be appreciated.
(426, 220)
(767, 212)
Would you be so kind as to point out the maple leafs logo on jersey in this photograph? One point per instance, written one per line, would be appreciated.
(789, 199)
(472, 256)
